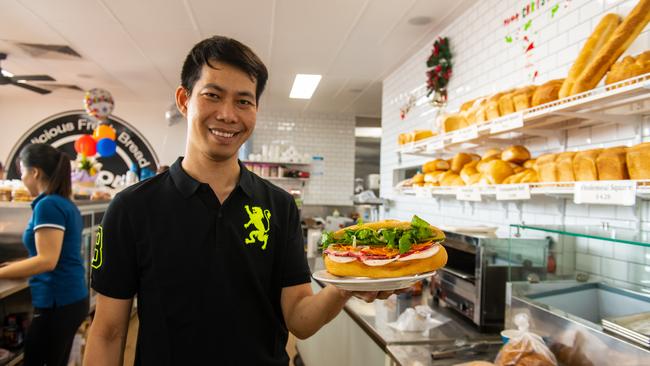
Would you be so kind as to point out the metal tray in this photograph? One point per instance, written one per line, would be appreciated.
(635, 327)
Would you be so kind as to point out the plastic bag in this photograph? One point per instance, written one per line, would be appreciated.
(525, 349)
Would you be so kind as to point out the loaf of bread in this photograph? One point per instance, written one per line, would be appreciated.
(638, 161)
(522, 97)
(471, 113)
(594, 43)
(422, 134)
(492, 106)
(611, 164)
(496, 171)
(507, 104)
(468, 171)
(584, 165)
(460, 159)
(402, 138)
(530, 164)
(620, 40)
(515, 154)
(546, 92)
(545, 167)
(629, 67)
(564, 166)
(436, 164)
(453, 122)
(467, 105)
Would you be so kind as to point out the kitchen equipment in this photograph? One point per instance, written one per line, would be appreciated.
(334, 223)
(474, 280)
(313, 242)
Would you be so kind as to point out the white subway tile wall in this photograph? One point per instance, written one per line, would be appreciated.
(330, 136)
(484, 63)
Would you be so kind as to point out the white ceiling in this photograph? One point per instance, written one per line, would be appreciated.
(135, 48)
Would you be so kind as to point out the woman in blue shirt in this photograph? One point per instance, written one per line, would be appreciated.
(54, 267)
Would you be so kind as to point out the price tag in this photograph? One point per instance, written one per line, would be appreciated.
(423, 192)
(613, 192)
(436, 145)
(507, 123)
(468, 194)
(511, 192)
(465, 134)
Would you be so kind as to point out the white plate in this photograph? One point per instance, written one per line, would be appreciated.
(369, 284)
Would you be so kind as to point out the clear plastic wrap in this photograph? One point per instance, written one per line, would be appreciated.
(525, 348)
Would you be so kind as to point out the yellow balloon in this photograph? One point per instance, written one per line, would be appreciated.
(104, 132)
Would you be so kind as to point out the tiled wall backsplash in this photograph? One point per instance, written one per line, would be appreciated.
(484, 63)
(330, 136)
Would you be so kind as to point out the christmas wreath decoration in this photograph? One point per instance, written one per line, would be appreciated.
(439, 70)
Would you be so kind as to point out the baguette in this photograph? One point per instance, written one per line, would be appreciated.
(594, 43)
(620, 40)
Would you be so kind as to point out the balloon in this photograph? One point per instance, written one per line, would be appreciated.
(106, 147)
(99, 103)
(104, 131)
(86, 145)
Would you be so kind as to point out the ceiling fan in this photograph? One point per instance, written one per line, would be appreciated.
(20, 80)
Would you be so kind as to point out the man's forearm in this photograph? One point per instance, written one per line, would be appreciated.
(104, 350)
(312, 312)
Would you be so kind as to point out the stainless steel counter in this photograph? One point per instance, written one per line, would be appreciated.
(406, 348)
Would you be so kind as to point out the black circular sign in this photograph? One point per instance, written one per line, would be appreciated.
(63, 129)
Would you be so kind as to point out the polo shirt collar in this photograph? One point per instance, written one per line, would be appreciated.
(38, 198)
(188, 185)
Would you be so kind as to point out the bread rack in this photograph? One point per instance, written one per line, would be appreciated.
(623, 102)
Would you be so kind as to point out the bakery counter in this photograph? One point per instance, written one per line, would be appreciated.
(371, 323)
(442, 354)
(10, 287)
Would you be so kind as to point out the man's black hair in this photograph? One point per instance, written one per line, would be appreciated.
(228, 51)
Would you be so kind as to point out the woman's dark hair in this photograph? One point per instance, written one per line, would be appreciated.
(228, 51)
(54, 164)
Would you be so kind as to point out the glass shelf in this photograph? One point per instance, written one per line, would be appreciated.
(625, 236)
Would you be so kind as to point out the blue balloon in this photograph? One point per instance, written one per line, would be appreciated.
(106, 147)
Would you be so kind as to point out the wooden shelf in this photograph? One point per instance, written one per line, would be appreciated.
(623, 102)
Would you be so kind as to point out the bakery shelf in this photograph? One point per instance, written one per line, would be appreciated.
(559, 190)
(618, 235)
(621, 102)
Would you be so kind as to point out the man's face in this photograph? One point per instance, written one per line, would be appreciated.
(221, 111)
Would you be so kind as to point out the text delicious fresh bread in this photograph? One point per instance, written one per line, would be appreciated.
(594, 43)
(384, 249)
(620, 40)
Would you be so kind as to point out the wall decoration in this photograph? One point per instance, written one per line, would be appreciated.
(64, 129)
(524, 36)
(99, 103)
(439, 72)
(406, 108)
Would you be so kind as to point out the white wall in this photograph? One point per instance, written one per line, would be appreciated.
(18, 115)
(484, 64)
(328, 135)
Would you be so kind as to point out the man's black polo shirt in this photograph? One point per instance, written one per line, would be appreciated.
(208, 276)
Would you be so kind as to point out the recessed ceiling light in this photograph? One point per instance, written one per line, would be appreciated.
(420, 20)
(304, 86)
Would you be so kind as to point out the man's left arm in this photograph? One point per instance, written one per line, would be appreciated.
(305, 312)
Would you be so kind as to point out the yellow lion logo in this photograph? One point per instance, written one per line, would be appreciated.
(257, 217)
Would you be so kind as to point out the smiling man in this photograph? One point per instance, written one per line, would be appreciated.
(213, 252)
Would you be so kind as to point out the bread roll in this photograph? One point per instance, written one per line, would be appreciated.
(611, 164)
(481, 114)
(460, 160)
(467, 105)
(433, 177)
(638, 161)
(594, 43)
(545, 167)
(515, 154)
(451, 179)
(436, 164)
(547, 92)
(493, 152)
(564, 167)
(620, 40)
(530, 176)
(522, 98)
(497, 170)
(530, 164)
(453, 122)
(584, 165)
(422, 134)
(468, 171)
(629, 67)
(418, 178)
